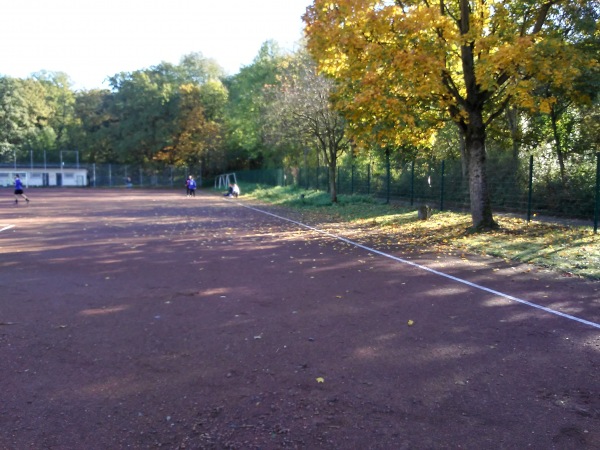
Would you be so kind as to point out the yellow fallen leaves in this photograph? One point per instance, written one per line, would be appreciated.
(410, 323)
(320, 380)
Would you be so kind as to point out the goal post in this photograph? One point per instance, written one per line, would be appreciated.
(224, 180)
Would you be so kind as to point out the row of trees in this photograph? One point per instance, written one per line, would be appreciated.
(186, 115)
(165, 114)
(377, 79)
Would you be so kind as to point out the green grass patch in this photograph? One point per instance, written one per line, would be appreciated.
(574, 250)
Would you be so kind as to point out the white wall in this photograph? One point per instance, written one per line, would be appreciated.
(36, 177)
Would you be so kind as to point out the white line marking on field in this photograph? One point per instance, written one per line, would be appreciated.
(7, 227)
(436, 272)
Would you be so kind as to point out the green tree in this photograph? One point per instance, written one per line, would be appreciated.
(60, 99)
(145, 113)
(169, 113)
(25, 117)
(213, 95)
(91, 132)
(245, 118)
(197, 69)
(196, 141)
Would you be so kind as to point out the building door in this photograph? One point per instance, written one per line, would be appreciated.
(59, 179)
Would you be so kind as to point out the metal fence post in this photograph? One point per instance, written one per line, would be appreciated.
(412, 183)
(442, 186)
(530, 188)
(597, 208)
(317, 177)
(307, 178)
(388, 174)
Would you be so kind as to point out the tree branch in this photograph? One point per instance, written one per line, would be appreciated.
(542, 15)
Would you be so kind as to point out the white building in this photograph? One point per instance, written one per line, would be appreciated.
(40, 177)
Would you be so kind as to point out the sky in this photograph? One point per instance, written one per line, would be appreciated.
(91, 40)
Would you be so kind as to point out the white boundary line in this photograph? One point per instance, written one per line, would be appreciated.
(8, 227)
(436, 272)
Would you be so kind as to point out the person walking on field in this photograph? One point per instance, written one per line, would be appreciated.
(19, 190)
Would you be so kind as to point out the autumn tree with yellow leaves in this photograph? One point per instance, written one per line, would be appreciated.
(404, 67)
(196, 129)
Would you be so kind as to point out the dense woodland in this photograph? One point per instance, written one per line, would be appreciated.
(376, 79)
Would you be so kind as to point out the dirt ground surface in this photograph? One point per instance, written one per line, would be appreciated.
(145, 319)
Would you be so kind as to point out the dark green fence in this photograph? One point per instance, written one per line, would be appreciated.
(519, 187)
(115, 175)
(524, 187)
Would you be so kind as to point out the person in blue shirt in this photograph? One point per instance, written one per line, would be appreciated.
(19, 190)
(191, 187)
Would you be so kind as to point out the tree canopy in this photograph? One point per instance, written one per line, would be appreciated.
(404, 67)
(489, 82)
(301, 111)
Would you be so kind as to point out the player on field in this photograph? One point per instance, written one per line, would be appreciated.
(19, 190)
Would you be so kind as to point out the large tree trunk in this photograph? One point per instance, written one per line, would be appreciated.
(332, 182)
(464, 154)
(474, 129)
(330, 151)
(481, 209)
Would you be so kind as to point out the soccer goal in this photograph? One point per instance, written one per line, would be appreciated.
(223, 181)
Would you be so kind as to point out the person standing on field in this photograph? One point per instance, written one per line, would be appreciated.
(19, 190)
(187, 186)
(191, 187)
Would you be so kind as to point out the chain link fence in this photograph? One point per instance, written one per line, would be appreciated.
(96, 175)
(526, 188)
(521, 187)
(114, 175)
